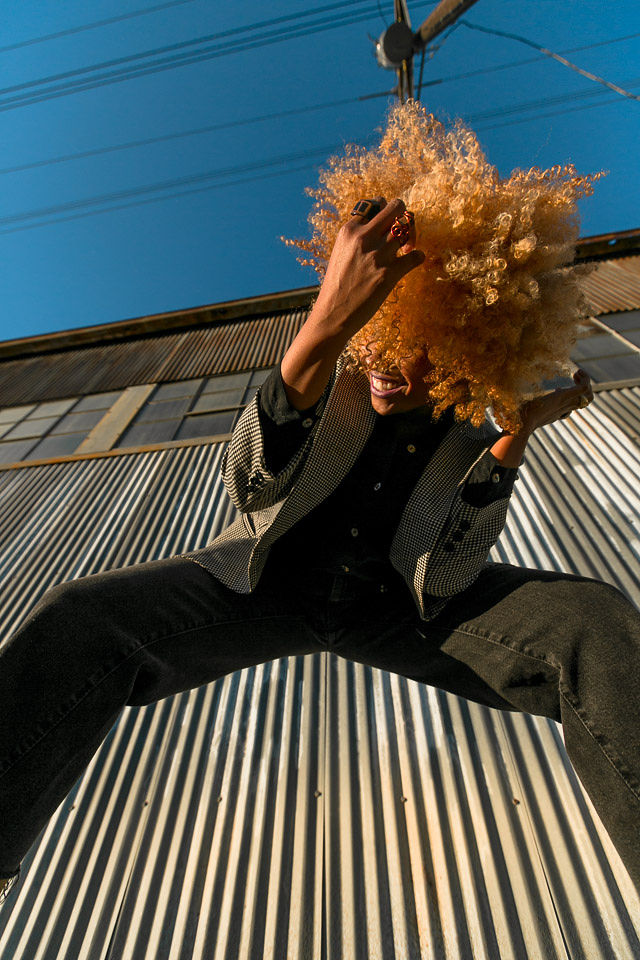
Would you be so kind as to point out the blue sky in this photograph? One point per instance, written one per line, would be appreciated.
(193, 214)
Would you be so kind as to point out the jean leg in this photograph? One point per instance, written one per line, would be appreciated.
(568, 648)
(94, 645)
(539, 642)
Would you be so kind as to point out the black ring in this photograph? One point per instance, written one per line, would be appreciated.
(367, 209)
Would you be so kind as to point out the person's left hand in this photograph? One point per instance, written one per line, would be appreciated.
(557, 404)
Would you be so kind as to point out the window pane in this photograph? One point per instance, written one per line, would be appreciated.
(613, 368)
(141, 433)
(57, 446)
(97, 401)
(232, 381)
(216, 401)
(31, 428)
(259, 377)
(53, 409)
(12, 452)
(13, 414)
(601, 345)
(168, 410)
(75, 422)
(184, 388)
(206, 425)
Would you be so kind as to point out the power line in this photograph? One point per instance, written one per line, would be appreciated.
(553, 113)
(521, 63)
(167, 184)
(256, 177)
(63, 212)
(555, 56)
(222, 35)
(94, 25)
(169, 196)
(211, 128)
(285, 113)
(543, 102)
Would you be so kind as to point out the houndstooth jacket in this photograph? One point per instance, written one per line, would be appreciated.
(441, 542)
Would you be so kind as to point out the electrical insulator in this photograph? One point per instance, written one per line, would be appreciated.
(394, 46)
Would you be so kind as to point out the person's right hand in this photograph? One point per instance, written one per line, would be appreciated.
(365, 265)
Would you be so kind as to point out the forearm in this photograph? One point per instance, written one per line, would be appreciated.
(365, 265)
(309, 361)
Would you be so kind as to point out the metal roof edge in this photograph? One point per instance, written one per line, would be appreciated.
(606, 246)
(602, 246)
(213, 314)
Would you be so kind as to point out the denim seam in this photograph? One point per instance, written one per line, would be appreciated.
(498, 643)
(596, 740)
(564, 696)
(141, 646)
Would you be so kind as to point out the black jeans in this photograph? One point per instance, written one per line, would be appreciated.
(550, 644)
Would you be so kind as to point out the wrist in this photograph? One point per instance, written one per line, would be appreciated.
(509, 448)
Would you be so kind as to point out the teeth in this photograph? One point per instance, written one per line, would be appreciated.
(384, 385)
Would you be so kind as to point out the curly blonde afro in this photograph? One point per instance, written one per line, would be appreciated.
(494, 305)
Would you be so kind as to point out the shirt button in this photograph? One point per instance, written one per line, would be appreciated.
(354, 531)
(377, 486)
(383, 588)
(411, 448)
(308, 422)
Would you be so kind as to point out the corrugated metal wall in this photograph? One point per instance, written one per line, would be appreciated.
(313, 808)
(245, 345)
(614, 285)
(256, 342)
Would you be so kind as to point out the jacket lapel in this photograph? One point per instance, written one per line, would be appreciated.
(343, 432)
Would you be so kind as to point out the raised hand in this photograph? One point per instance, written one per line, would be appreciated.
(558, 404)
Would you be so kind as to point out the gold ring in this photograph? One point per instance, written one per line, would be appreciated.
(584, 402)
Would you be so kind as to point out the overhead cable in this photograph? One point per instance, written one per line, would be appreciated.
(555, 56)
(67, 211)
(148, 141)
(94, 25)
(222, 35)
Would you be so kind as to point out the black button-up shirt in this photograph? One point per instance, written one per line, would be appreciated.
(351, 531)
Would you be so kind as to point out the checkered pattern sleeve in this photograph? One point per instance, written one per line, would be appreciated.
(488, 481)
(466, 538)
(284, 428)
(251, 481)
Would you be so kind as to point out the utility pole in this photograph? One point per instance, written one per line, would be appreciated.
(398, 44)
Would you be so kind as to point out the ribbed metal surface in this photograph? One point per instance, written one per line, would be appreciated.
(209, 350)
(614, 285)
(248, 344)
(312, 807)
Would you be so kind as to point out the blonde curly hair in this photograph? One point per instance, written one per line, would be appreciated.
(495, 305)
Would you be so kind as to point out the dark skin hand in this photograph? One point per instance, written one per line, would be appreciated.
(536, 413)
(365, 265)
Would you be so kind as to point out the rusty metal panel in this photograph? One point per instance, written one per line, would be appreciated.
(614, 285)
(245, 345)
(258, 341)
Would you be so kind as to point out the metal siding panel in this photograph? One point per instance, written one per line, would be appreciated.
(614, 285)
(245, 345)
(409, 791)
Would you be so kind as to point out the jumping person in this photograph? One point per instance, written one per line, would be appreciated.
(365, 524)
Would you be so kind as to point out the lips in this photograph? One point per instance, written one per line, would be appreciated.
(382, 385)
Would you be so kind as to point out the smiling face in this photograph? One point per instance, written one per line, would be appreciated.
(400, 387)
